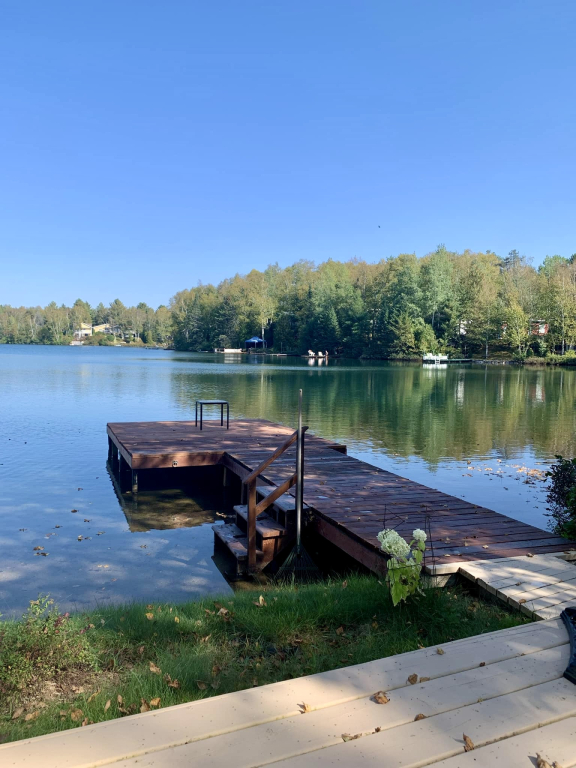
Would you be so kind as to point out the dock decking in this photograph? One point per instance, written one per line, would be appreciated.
(349, 498)
(503, 690)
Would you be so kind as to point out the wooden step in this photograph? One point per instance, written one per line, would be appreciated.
(286, 503)
(234, 539)
(266, 526)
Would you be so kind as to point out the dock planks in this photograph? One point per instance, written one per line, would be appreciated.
(349, 498)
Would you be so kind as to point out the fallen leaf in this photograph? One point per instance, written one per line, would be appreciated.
(205, 639)
(440, 651)
(76, 715)
(348, 737)
(380, 698)
(107, 705)
(344, 584)
(413, 679)
(521, 602)
(149, 616)
(17, 712)
(141, 650)
(223, 612)
(201, 685)
(541, 762)
(305, 708)
(340, 631)
(119, 699)
(482, 664)
(529, 554)
(176, 619)
(468, 743)
(260, 602)
(420, 717)
(424, 680)
(85, 721)
(73, 511)
(145, 707)
(92, 697)
(173, 684)
(38, 549)
(155, 702)
(154, 669)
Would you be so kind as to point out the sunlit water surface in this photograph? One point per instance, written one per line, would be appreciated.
(472, 431)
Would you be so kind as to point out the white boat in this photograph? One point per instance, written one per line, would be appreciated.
(226, 351)
(430, 359)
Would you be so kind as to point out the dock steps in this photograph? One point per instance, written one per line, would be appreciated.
(234, 540)
(266, 526)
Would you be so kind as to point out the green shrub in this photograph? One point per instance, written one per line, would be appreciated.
(562, 497)
(40, 646)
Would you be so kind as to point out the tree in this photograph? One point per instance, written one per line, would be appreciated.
(404, 340)
(517, 327)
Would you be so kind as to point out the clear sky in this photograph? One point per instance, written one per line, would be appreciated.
(150, 144)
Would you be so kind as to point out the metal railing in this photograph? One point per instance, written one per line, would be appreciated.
(254, 508)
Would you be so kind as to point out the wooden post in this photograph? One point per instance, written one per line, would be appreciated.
(110, 450)
(134, 481)
(251, 532)
(122, 472)
(226, 478)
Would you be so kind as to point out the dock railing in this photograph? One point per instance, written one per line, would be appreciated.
(255, 509)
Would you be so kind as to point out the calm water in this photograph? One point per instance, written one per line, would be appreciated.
(470, 431)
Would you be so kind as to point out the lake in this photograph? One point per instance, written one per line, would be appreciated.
(473, 431)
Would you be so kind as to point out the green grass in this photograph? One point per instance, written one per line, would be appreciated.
(62, 671)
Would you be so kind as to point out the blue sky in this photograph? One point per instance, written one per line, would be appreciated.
(148, 145)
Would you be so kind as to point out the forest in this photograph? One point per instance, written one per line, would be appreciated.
(468, 304)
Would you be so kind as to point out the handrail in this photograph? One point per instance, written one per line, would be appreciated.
(266, 463)
(255, 509)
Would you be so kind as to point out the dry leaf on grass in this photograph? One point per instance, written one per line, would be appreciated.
(304, 708)
(201, 685)
(420, 717)
(31, 716)
(85, 721)
(107, 705)
(149, 616)
(92, 697)
(176, 619)
(17, 712)
(155, 702)
(119, 699)
(154, 669)
(76, 715)
(468, 743)
(340, 631)
(344, 584)
(413, 679)
(145, 707)
(380, 698)
(260, 602)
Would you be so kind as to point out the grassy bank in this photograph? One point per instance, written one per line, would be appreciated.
(59, 671)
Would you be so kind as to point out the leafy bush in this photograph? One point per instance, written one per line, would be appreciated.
(43, 644)
(562, 497)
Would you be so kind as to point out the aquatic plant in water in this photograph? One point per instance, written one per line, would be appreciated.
(405, 563)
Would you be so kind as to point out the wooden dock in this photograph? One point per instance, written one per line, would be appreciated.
(504, 690)
(348, 500)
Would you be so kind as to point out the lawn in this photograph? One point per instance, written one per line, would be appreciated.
(59, 671)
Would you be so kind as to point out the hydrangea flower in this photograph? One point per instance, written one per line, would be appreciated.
(393, 544)
(419, 534)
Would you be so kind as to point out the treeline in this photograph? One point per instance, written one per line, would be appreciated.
(469, 303)
(56, 324)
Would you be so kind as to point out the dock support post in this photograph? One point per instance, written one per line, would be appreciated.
(134, 481)
(123, 469)
(251, 525)
(226, 478)
(110, 450)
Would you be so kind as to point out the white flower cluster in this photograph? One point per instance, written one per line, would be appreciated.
(419, 534)
(393, 544)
